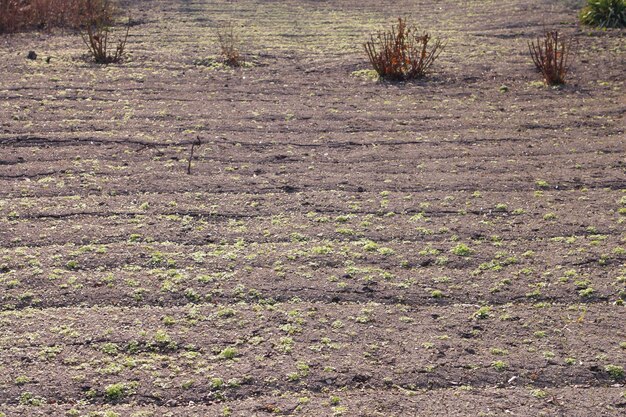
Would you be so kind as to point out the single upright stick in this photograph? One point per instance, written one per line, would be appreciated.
(197, 142)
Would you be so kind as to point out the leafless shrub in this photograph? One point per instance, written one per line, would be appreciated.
(552, 56)
(402, 53)
(230, 45)
(96, 38)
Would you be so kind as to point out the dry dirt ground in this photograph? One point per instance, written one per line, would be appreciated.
(343, 247)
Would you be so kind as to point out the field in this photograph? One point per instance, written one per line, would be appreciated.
(453, 246)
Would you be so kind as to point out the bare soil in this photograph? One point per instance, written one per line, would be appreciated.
(453, 246)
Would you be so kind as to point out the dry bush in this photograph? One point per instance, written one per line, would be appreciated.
(17, 15)
(96, 37)
(552, 56)
(402, 53)
(8, 15)
(229, 43)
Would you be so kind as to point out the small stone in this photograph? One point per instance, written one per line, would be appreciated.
(32, 55)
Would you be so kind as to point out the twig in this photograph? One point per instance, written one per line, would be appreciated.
(197, 142)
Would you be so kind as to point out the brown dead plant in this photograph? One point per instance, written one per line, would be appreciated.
(19, 15)
(97, 32)
(402, 53)
(96, 38)
(230, 45)
(552, 56)
(194, 144)
(10, 15)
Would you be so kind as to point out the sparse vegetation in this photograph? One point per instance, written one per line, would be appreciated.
(342, 247)
(500, 366)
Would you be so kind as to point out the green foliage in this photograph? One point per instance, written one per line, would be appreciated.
(228, 353)
(117, 392)
(216, 383)
(615, 372)
(21, 380)
(28, 398)
(604, 13)
(462, 250)
(436, 294)
(539, 393)
(483, 313)
(500, 366)
(114, 392)
(368, 74)
(110, 348)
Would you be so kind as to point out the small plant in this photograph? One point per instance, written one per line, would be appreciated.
(500, 366)
(228, 353)
(216, 383)
(539, 393)
(110, 348)
(482, 313)
(604, 13)
(436, 294)
(587, 292)
(229, 42)
(615, 372)
(21, 380)
(552, 57)
(402, 53)
(462, 250)
(193, 295)
(96, 37)
(501, 207)
(114, 392)
(117, 392)
(163, 341)
(28, 398)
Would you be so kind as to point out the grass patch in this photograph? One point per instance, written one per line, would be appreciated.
(604, 13)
